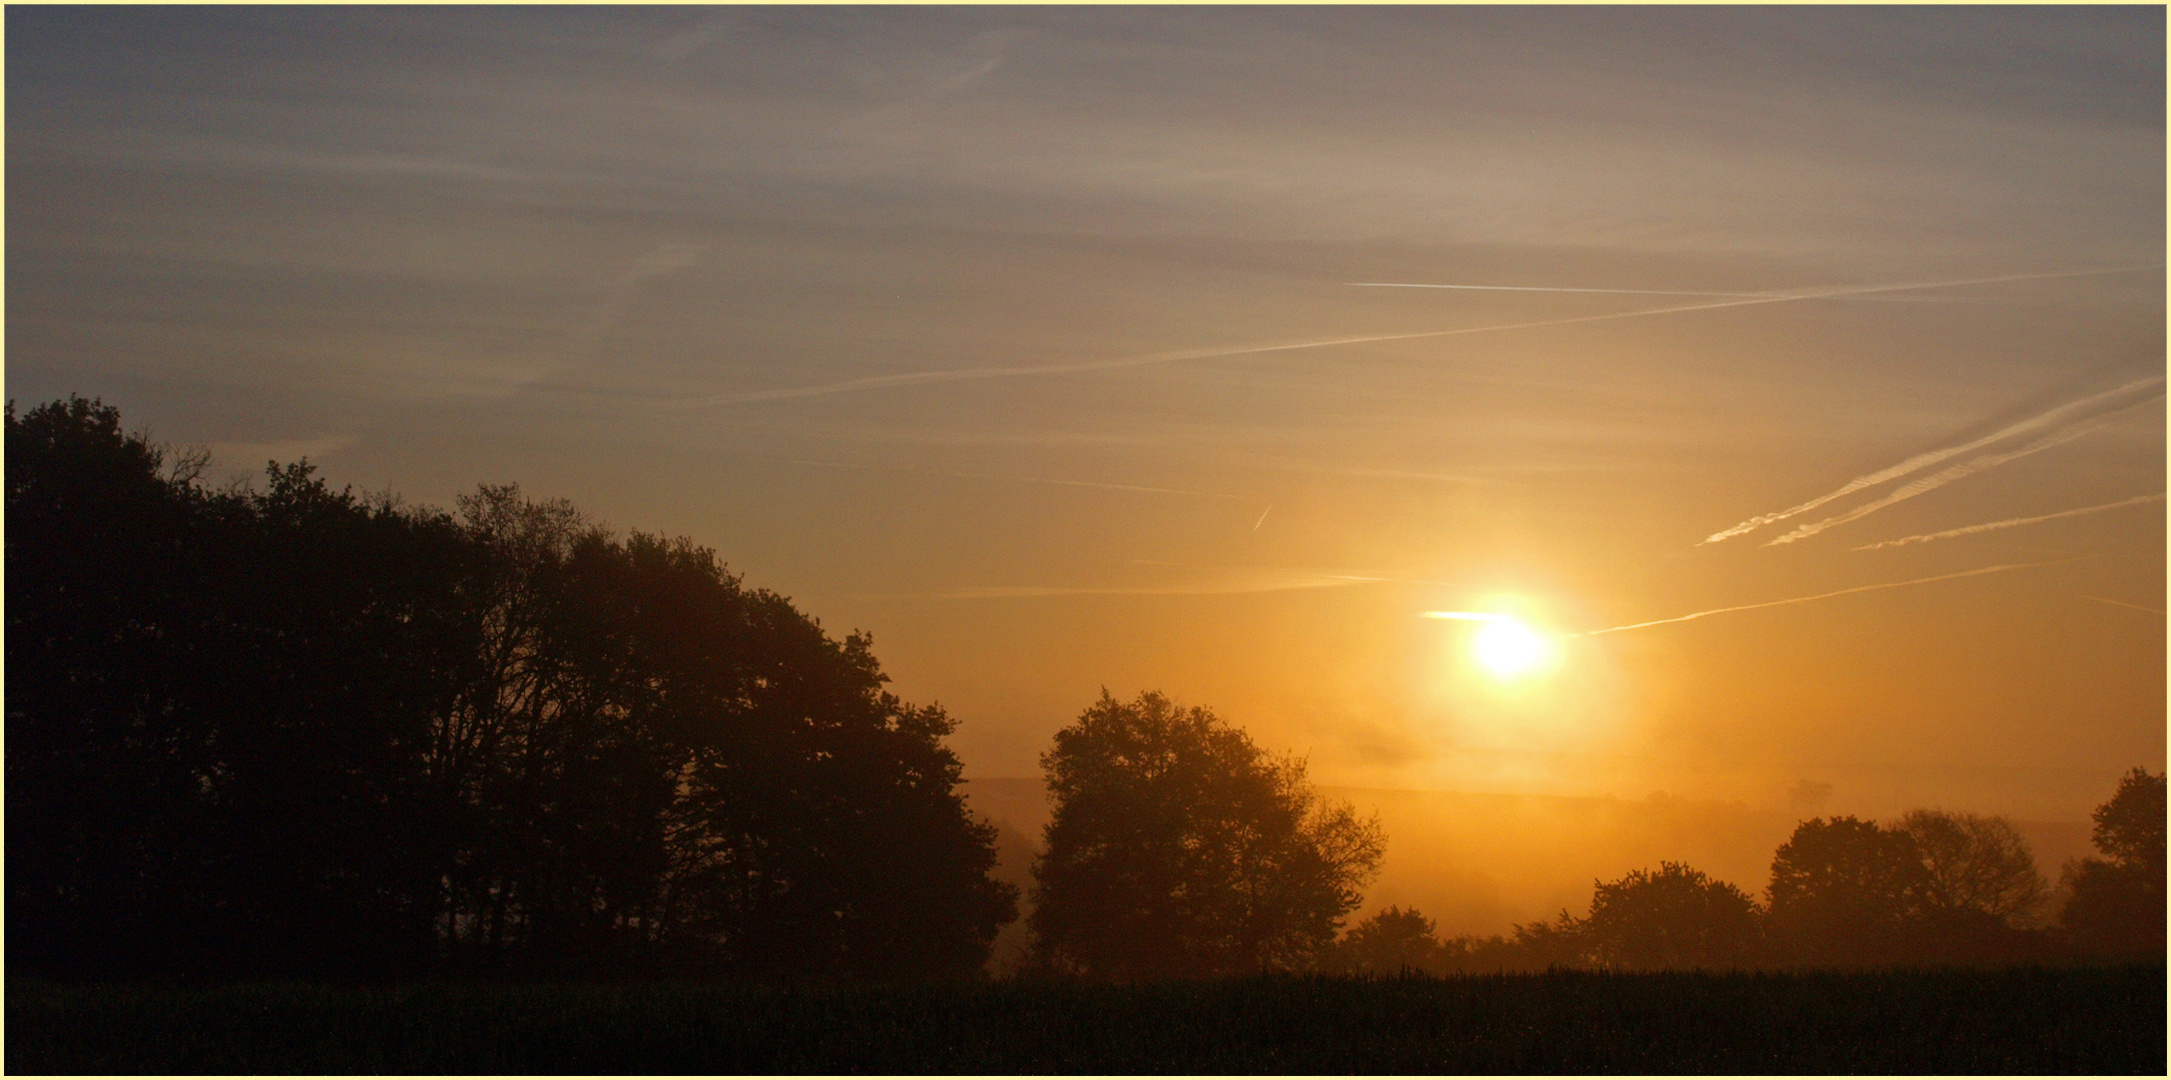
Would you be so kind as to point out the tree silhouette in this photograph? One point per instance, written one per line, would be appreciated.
(2116, 905)
(1178, 847)
(296, 730)
(1390, 942)
(1974, 864)
(1842, 892)
(1674, 917)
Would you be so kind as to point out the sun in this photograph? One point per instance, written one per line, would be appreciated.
(1507, 648)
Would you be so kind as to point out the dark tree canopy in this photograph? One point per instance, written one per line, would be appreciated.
(1391, 942)
(294, 729)
(1974, 865)
(1842, 891)
(2115, 905)
(1674, 917)
(1178, 847)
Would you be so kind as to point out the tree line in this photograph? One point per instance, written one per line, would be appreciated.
(297, 730)
(1932, 887)
(292, 730)
(1179, 848)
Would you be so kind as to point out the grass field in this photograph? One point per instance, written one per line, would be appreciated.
(2087, 1020)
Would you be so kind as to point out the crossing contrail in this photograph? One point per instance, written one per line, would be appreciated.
(923, 378)
(1937, 480)
(1823, 596)
(1926, 459)
(2008, 523)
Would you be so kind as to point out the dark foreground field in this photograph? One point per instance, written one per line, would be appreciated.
(2091, 1020)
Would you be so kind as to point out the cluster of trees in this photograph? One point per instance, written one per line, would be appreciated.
(1931, 888)
(297, 730)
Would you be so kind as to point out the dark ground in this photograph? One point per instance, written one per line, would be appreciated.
(2020, 1020)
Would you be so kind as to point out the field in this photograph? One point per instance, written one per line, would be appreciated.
(2021, 1020)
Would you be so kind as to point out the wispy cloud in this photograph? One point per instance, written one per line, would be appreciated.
(1220, 581)
(1989, 526)
(250, 454)
(2096, 404)
(923, 378)
(1824, 596)
(1096, 484)
(1644, 292)
(2119, 603)
(1937, 480)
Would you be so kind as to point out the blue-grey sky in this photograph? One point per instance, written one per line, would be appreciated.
(1057, 347)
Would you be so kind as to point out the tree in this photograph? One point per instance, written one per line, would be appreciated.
(1178, 847)
(1974, 864)
(1391, 942)
(1842, 891)
(2116, 905)
(293, 730)
(1675, 917)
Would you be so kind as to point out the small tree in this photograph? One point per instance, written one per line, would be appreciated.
(1675, 917)
(1180, 848)
(2116, 906)
(1391, 942)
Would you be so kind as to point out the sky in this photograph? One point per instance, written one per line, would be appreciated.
(1204, 350)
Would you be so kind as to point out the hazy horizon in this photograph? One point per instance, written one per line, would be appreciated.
(1203, 350)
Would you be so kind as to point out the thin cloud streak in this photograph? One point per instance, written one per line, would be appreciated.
(1928, 458)
(1629, 292)
(1825, 596)
(1031, 480)
(1466, 616)
(2119, 603)
(1265, 582)
(1939, 479)
(1969, 530)
(923, 378)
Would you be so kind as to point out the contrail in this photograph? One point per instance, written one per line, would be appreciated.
(2009, 523)
(920, 378)
(2118, 603)
(1467, 616)
(1823, 596)
(1621, 292)
(1262, 517)
(1932, 457)
(1937, 480)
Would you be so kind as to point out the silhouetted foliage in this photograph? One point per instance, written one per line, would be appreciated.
(2116, 905)
(1842, 891)
(1674, 917)
(1389, 943)
(1180, 848)
(295, 729)
(1974, 864)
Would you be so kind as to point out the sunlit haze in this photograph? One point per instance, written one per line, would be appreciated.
(1783, 386)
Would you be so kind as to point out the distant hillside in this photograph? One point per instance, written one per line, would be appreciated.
(1479, 863)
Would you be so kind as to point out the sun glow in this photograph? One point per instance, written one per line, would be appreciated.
(1506, 648)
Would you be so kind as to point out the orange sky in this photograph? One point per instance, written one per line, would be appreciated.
(1039, 342)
